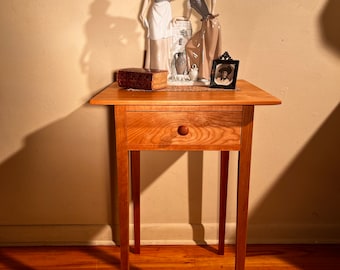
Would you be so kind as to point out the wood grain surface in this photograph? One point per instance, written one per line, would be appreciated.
(259, 257)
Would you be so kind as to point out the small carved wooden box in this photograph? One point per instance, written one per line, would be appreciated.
(140, 78)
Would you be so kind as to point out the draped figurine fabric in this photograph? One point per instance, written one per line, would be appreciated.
(205, 45)
(159, 20)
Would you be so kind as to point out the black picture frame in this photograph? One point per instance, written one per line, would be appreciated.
(224, 74)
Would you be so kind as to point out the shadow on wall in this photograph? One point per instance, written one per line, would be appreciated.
(155, 163)
(49, 180)
(105, 32)
(308, 191)
(329, 23)
(309, 188)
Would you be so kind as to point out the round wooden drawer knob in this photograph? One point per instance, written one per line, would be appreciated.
(183, 130)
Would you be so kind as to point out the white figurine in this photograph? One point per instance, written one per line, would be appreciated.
(193, 73)
(158, 24)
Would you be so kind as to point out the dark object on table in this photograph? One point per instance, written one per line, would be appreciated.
(140, 78)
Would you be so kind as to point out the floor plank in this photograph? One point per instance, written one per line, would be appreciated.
(264, 257)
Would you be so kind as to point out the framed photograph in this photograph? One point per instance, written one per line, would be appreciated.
(224, 73)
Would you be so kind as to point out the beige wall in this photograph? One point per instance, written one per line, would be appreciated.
(54, 158)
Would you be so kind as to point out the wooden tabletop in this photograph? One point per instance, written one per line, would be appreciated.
(245, 94)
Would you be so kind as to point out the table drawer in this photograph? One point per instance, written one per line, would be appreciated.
(183, 130)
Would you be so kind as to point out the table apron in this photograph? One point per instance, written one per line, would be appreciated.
(183, 130)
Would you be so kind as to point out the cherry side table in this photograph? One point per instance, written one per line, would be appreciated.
(191, 118)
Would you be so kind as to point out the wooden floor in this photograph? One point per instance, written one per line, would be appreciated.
(260, 257)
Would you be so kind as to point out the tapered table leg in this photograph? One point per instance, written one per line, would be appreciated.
(122, 156)
(135, 179)
(243, 187)
(223, 199)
